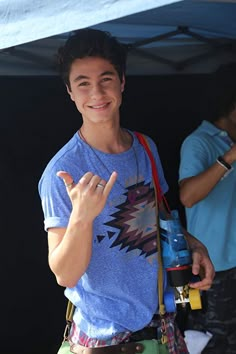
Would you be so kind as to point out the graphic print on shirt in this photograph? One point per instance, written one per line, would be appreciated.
(136, 222)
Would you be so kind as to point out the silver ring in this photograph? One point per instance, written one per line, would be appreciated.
(100, 185)
(68, 185)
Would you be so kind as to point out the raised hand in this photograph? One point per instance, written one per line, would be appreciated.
(89, 195)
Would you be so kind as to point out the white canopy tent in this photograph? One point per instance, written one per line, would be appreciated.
(24, 21)
(163, 36)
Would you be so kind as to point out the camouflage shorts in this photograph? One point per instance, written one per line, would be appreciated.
(218, 315)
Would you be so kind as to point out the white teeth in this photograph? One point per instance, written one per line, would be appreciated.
(101, 106)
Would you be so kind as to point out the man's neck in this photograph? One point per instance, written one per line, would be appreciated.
(115, 142)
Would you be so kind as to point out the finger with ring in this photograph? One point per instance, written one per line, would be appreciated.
(100, 185)
(69, 185)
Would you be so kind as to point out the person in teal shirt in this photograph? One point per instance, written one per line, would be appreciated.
(207, 181)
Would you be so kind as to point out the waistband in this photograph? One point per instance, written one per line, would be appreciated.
(152, 331)
(126, 348)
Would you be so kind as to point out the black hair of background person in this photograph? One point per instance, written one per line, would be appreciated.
(37, 118)
(221, 91)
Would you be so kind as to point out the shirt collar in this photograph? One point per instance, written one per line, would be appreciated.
(212, 130)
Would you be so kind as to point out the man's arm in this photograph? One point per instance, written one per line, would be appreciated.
(201, 262)
(70, 248)
(196, 188)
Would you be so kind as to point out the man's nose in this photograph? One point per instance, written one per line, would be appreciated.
(97, 90)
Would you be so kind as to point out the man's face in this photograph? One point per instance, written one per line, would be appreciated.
(95, 88)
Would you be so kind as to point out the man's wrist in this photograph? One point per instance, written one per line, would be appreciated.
(221, 161)
(228, 168)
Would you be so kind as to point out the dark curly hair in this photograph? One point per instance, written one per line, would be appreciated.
(91, 43)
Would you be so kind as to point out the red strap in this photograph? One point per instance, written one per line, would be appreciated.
(160, 195)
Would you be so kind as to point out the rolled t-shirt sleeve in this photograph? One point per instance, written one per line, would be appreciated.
(194, 157)
(55, 201)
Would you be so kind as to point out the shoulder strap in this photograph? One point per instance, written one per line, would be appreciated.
(142, 139)
(159, 197)
(69, 317)
(69, 311)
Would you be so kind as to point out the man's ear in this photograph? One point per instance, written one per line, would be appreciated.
(70, 93)
(123, 83)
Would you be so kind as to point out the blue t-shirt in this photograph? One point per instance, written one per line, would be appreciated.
(118, 291)
(213, 219)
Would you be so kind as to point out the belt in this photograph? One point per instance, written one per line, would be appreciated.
(132, 347)
(126, 348)
(145, 333)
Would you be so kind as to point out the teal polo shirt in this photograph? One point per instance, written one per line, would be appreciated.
(213, 219)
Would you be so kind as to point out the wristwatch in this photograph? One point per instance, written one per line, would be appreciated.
(223, 163)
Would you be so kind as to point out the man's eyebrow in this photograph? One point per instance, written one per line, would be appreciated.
(85, 77)
(80, 77)
(108, 73)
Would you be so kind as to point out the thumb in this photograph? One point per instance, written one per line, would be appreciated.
(68, 180)
(196, 263)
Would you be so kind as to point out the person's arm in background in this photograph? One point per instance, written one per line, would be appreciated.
(193, 189)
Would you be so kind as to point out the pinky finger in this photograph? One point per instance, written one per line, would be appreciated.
(110, 183)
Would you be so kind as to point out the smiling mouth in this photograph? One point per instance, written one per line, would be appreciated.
(99, 106)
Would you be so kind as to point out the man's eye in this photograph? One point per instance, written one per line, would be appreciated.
(84, 83)
(106, 79)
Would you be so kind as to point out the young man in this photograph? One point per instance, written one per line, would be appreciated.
(207, 177)
(101, 221)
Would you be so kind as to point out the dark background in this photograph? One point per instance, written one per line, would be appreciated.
(37, 118)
